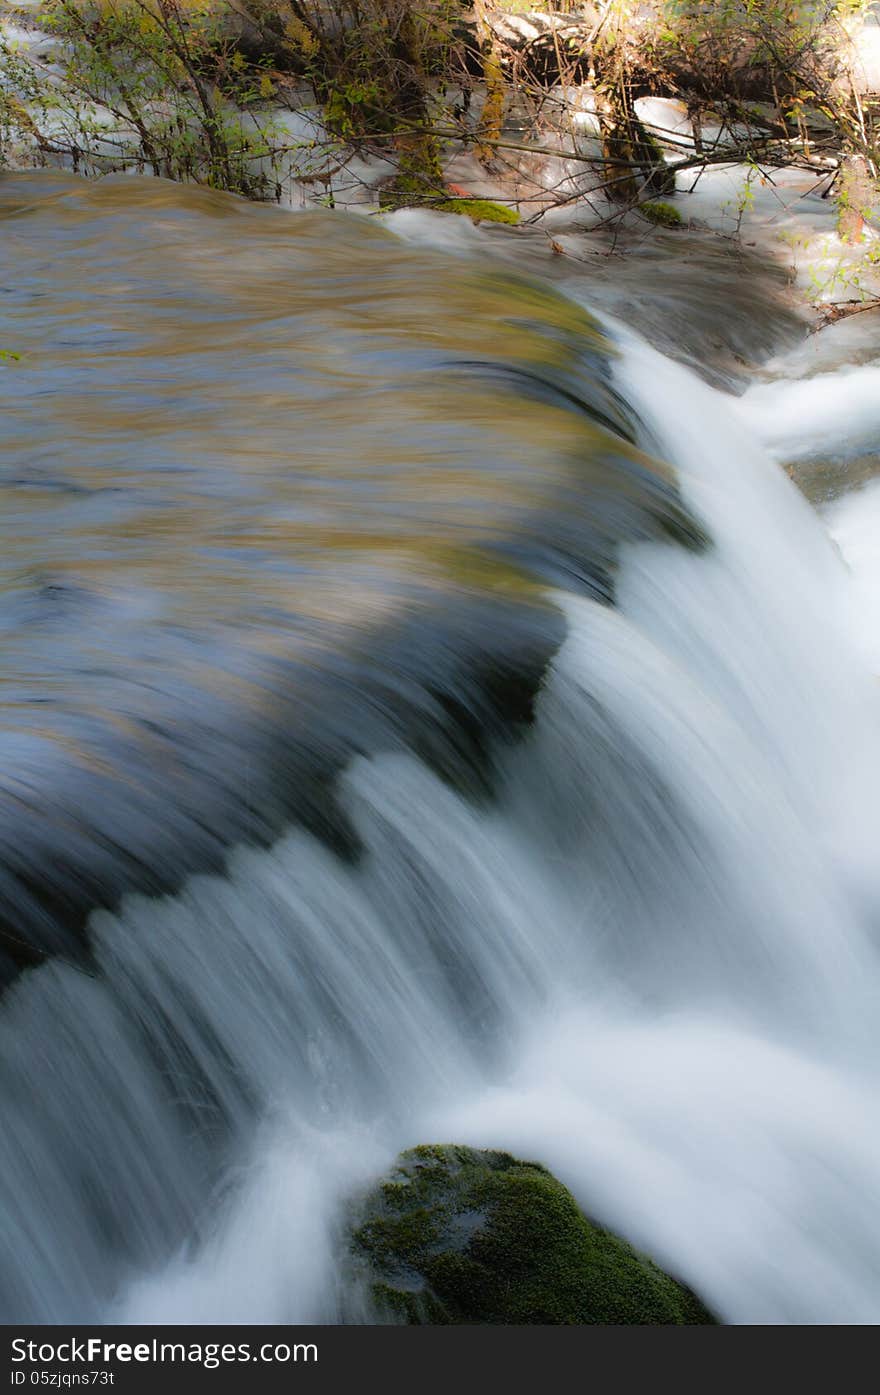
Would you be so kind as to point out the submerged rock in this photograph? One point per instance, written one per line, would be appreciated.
(456, 1235)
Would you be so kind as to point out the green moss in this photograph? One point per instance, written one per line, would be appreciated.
(661, 179)
(399, 1239)
(406, 191)
(480, 210)
(460, 1236)
(665, 215)
(431, 1152)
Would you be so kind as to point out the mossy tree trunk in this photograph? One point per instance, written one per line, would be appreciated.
(418, 149)
(492, 118)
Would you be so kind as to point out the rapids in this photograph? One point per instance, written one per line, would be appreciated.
(428, 712)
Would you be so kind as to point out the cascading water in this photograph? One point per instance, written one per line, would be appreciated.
(623, 920)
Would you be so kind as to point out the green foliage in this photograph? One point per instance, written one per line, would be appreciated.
(172, 87)
(150, 84)
(7, 356)
(353, 107)
(375, 72)
(781, 34)
(794, 53)
(460, 1236)
(665, 215)
(843, 278)
(179, 87)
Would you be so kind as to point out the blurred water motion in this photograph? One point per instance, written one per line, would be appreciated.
(425, 713)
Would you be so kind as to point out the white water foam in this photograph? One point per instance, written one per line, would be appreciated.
(854, 524)
(830, 414)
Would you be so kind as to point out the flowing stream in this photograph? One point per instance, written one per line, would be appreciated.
(427, 713)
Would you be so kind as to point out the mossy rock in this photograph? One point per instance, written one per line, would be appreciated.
(480, 210)
(406, 192)
(454, 1235)
(665, 215)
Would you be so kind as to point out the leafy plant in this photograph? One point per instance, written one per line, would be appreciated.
(150, 84)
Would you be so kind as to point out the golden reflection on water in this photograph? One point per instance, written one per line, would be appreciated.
(207, 385)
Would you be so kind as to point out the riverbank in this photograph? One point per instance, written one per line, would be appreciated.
(766, 239)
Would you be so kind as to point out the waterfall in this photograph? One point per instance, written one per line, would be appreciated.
(644, 951)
